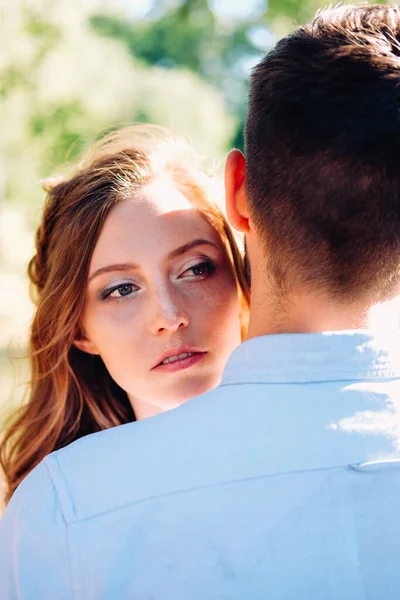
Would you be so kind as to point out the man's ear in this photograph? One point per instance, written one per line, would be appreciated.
(82, 342)
(235, 192)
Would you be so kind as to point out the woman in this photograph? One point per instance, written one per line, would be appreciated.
(140, 295)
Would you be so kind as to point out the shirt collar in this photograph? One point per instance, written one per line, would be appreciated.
(315, 357)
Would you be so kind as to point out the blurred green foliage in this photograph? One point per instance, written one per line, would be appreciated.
(72, 70)
(63, 85)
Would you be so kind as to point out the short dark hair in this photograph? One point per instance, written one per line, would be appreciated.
(322, 143)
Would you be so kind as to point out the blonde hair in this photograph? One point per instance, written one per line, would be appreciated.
(71, 392)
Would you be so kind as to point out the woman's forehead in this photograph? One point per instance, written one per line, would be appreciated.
(163, 196)
(143, 217)
(138, 227)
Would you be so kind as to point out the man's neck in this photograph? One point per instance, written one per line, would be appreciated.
(313, 313)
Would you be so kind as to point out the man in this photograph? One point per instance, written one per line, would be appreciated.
(284, 482)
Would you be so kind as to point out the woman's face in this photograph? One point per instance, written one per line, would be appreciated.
(161, 306)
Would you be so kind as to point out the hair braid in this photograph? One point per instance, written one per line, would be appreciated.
(38, 264)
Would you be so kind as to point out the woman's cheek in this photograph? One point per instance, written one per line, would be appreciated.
(114, 329)
(222, 290)
(221, 305)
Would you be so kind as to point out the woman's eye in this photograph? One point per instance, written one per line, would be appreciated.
(201, 270)
(121, 291)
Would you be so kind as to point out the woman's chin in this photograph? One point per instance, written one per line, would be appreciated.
(172, 396)
(193, 389)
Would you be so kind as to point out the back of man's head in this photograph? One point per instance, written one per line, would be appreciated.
(323, 153)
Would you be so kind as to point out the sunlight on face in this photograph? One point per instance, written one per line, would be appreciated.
(160, 288)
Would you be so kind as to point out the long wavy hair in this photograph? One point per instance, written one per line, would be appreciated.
(71, 393)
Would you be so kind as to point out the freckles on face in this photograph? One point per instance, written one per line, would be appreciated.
(160, 282)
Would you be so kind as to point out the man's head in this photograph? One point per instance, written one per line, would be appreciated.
(321, 190)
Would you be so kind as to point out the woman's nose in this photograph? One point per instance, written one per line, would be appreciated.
(169, 314)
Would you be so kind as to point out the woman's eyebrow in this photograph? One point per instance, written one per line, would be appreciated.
(110, 268)
(132, 266)
(191, 245)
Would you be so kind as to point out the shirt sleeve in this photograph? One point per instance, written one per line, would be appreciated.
(34, 561)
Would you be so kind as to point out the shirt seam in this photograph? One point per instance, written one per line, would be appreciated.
(321, 378)
(66, 524)
(59, 503)
(47, 461)
(208, 486)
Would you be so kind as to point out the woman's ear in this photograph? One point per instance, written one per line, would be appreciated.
(235, 191)
(82, 342)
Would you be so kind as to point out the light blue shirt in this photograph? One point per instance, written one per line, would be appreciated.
(281, 484)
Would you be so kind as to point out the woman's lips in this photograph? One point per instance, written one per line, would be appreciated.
(180, 363)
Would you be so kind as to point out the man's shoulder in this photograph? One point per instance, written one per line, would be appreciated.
(34, 557)
(137, 461)
(233, 433)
